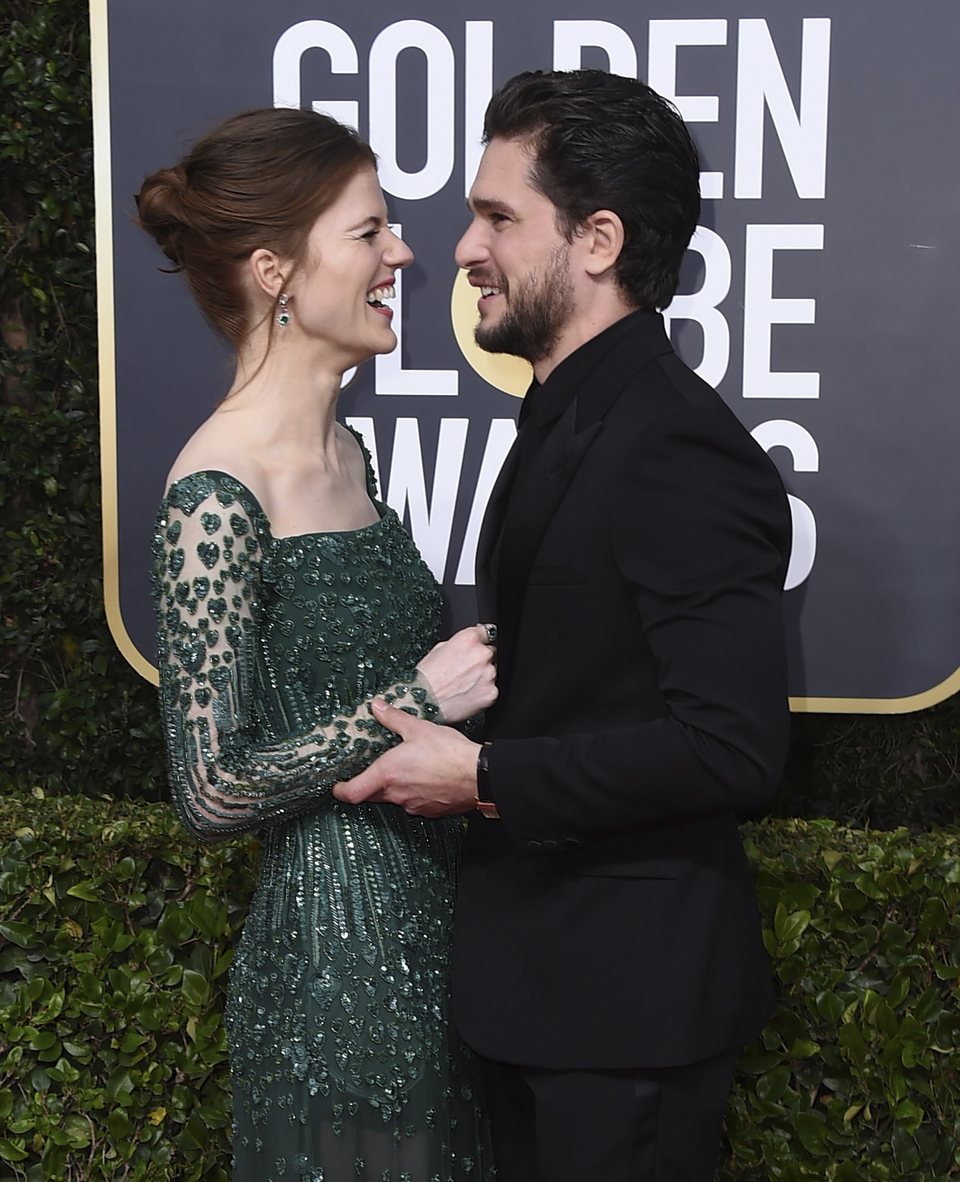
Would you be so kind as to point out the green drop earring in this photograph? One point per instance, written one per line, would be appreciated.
(283, 312)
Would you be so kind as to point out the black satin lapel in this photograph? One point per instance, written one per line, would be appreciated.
(532, 506)
(486, 575)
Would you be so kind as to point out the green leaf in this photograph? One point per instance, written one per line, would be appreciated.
(829, 1006)
(175, 926)
(119, 1086)
(126, 868)
(773, 1084)
(812, 1132)
(789, 927)
(934, 917)
(853, 1043)
(194, 987)
(78, 1132)
(898, 991)
(11, 1152)
(119, 1124)
(909, 1114)
(905, 1151)
(21, 934)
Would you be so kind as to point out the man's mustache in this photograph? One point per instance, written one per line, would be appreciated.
(487, 279)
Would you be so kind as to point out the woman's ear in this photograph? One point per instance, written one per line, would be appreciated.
(603, 231)
(266, 272)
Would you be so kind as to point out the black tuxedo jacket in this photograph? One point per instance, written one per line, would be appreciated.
(632, 556)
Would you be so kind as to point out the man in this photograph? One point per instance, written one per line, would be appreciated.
(608, 962)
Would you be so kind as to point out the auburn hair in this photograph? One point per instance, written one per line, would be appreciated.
(260, 179)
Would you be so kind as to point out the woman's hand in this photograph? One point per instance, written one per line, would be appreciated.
(461, 672)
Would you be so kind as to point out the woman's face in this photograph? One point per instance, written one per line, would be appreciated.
(338, 296)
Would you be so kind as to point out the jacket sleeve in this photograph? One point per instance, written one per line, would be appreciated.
(700, 527)
(223, 779)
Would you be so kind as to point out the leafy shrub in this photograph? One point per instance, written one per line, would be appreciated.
(117, 932)
(858, 1075)
(74, 717)
(116, 935)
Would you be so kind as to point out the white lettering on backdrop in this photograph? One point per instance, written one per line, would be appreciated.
(764, 100)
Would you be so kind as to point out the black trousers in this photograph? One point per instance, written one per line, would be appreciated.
(658, 1125)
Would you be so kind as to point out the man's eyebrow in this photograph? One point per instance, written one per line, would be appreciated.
(489, 205)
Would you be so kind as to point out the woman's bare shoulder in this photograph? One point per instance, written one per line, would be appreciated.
(351, 440)
(355, 452)
(216, 446)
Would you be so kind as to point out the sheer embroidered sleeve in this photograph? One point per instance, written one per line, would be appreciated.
(231, 766)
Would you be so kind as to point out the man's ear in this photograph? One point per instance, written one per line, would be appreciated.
(266, 272)
(603, 236)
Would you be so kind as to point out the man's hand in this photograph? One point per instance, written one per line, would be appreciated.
(432, 773)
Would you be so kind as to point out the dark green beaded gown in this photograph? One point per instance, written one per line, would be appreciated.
(343, 1062)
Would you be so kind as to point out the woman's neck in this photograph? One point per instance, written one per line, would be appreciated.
(290, 395)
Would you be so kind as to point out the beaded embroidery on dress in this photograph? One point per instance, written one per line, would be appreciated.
(344, 1064)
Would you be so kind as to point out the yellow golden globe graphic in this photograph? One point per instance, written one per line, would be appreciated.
(509, 374)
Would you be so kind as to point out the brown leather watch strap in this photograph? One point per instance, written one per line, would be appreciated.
(482, 801)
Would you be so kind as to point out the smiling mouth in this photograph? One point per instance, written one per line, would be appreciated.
(487, 292)
(376, 297)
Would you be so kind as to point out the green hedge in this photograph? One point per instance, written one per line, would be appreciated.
(74, 717)
(857, 1076)
(117, 933)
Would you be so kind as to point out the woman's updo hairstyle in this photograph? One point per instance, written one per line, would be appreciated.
(261, 179)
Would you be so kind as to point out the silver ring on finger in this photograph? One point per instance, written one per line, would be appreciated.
(491, 633)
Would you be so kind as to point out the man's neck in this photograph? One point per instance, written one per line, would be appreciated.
(581, 328)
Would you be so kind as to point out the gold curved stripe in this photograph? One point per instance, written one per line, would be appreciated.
(922, 701)
(103, 203)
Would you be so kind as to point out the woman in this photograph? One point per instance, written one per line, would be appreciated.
(287, 598)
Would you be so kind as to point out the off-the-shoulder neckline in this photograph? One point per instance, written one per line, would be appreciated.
(383, 510)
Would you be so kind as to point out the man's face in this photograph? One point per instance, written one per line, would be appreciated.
(516, 257)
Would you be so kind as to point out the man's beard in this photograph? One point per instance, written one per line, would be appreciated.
(538, 307)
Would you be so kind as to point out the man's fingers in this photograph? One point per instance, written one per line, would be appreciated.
(488, 633)
(365, 787)
(395, 720)
(373, 784)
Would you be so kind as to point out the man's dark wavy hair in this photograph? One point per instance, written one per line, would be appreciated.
(601, 141)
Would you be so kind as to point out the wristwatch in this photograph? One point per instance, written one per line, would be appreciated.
(482, 802)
